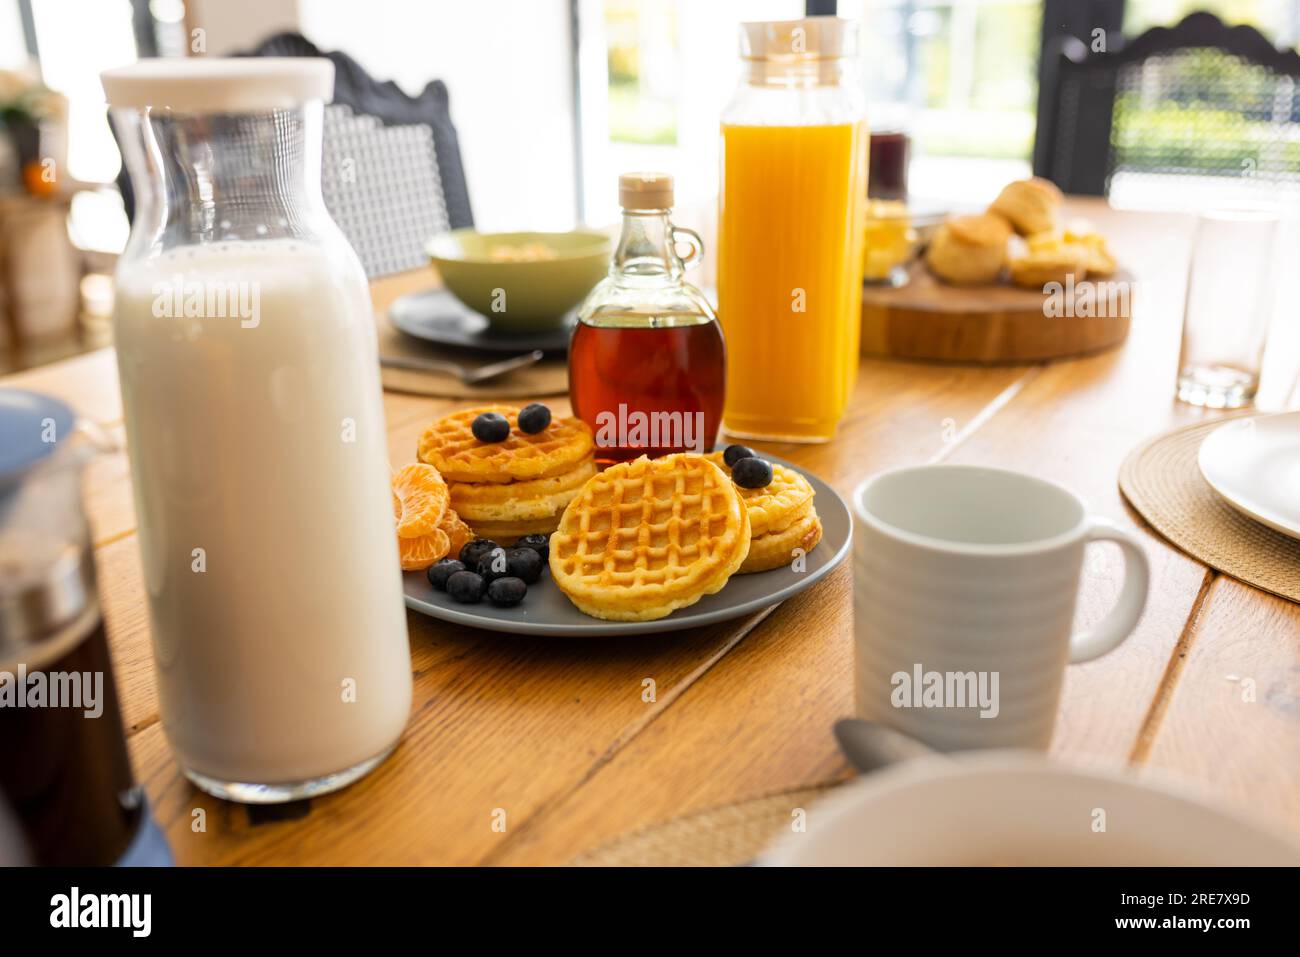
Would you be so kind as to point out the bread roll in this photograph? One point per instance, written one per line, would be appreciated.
(1037, 268)
(969, 249)
(1030, 205)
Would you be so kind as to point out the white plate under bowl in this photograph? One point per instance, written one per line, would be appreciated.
(1254, 464)
(545, 610)
(1020, 809)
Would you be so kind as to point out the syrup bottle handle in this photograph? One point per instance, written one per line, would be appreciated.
(688, 237)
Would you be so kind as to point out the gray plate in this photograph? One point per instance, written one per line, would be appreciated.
(435, 315)
(547, 612)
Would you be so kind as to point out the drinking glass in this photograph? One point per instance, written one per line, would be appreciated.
(1229, 304)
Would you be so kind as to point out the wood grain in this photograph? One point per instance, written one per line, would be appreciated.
(558, 734)
(519, 724)
(1001, 323)
(1231, 723)
(1074, 424)
(499, 722)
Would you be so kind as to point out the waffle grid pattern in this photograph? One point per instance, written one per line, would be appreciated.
(662, 525)
(777, 505)
(450, 446)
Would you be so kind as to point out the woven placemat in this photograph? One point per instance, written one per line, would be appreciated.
(1162, 480)
(719, 837)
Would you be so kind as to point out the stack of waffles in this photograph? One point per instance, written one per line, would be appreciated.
(783, 521)
(521, 486)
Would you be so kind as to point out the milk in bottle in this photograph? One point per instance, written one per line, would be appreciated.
(256, 434)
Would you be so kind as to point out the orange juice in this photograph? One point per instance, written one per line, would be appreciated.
(790, 247)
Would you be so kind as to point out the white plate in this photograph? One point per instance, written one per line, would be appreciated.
(1254, 464)
(1016, 808)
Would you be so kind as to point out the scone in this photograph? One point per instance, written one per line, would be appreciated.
(969, 249)
(1097, 255)
(1029, 205)
(1100, 260)
(1037, 268)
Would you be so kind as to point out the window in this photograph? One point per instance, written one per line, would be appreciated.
(654, 77)
(961, 76)
(1279, 20)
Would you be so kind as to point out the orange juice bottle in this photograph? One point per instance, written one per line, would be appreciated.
(790, 231)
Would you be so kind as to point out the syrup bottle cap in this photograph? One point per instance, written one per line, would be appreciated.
(645, 191)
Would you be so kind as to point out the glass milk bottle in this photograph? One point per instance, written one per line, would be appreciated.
(254, 418)
(790, 230)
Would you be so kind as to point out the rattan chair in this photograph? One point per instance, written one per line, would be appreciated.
(391, 170)
(1202, 102)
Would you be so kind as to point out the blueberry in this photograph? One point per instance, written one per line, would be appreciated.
(524, 563)
(734, 453)
(466, 587)
(491, 427)
(533, 418)
(439, 573)
(493, 564)
(471, 552)
(752, 473)
(541, 544)
(507, 591)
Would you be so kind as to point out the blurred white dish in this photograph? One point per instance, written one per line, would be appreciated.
(1254, 464)
(1017, 808)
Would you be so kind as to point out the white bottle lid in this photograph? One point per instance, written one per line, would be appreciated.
(219, 84)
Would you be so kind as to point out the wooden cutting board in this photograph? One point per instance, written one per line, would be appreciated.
(929, 319)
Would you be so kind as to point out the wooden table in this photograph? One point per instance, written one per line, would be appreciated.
(557, 734)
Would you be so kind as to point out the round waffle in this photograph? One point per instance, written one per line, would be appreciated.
(449, 445)
(776, 549)
(775, 506)
(519, 501)
(647, 537)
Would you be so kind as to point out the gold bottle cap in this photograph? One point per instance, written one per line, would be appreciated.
(812, 38)
(645, 191)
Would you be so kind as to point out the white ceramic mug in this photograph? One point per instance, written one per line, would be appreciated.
(965, 580)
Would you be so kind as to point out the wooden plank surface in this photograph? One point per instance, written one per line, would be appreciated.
(1231, 721)
(559, 734)
(504, 722)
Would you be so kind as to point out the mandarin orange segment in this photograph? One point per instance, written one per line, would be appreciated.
(422, 497)
(458, 533)
(419, 553)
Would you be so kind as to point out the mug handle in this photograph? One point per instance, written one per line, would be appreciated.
(1108, 633)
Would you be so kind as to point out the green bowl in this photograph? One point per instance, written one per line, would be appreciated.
(521, 295)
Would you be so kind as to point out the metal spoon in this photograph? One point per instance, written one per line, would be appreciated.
(870, 746)
(466, 375)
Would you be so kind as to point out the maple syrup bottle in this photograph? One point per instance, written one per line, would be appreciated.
(647, 364)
